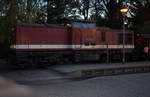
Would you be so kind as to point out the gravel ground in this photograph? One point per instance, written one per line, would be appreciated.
(135, 85)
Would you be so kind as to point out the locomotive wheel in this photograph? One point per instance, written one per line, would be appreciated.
(17, 64)
(21, 65)
(77, 58)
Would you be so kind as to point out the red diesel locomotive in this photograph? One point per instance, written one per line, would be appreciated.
(42, 44)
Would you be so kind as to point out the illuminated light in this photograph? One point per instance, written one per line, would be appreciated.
(13, 29)
(68, 25)
(138, 34)
(102, 15)
(94, 30)
(13, 46)
(124, 10)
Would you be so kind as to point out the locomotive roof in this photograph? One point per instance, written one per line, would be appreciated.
(107, 29)
(84, 25)
(33, 25)
(75, 24)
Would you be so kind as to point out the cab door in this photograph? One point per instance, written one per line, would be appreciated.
(76, 38)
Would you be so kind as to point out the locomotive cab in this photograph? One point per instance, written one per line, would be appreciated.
(84, 34)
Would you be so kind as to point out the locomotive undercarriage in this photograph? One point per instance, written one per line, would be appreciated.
(25, 59)
(30, 59)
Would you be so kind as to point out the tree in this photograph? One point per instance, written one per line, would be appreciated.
(58, 9)
(84, 8)
(112, 12)
(97, 10)
(71, 10)
(8, 19)
(31, 11)
(141, 20)
(107, 12)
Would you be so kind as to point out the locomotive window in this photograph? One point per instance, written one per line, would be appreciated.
(93, 43)
(120, 38)
(103, 36)
(86, 43)
(128, 38)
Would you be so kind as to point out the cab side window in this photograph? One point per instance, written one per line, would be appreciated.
(86, 43)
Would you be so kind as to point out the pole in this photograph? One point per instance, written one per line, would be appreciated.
(123, 57)
(107, 53)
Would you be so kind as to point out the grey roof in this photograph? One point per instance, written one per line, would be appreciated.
(84, 25)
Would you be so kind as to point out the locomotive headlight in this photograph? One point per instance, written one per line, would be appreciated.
(68, 25)
(13, 46)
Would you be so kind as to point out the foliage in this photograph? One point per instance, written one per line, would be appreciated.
(107, 12)
(58, 9)
(141, 20)
(8, 19)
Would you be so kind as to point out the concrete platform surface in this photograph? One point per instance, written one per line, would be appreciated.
(72, 68)
(39, 76)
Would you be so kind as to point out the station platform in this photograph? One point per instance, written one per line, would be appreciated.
(102, 69)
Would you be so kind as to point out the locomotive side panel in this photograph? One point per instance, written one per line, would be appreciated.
(42, 38)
